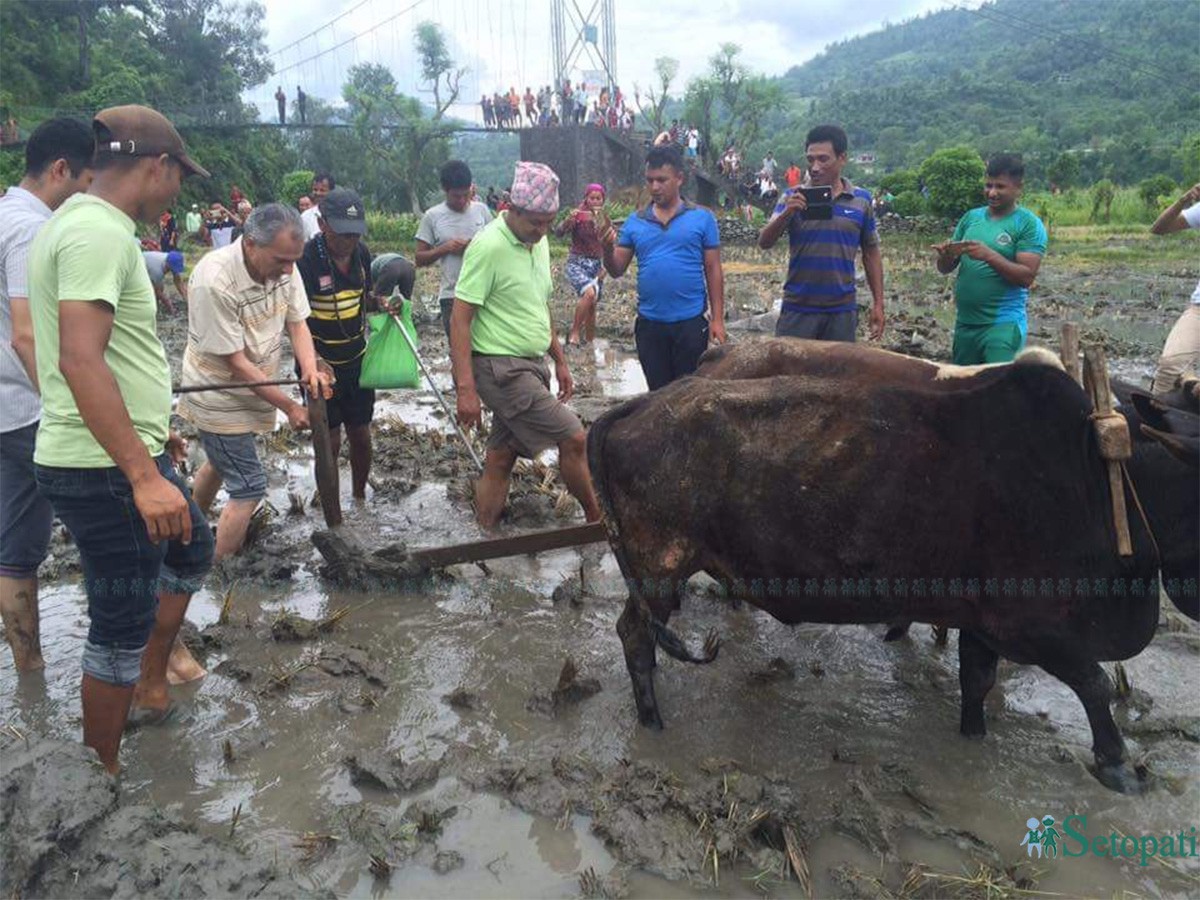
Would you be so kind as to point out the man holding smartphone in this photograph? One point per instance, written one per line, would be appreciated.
(828, 220)
(997, 250)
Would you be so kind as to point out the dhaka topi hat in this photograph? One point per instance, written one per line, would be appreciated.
(535, 188)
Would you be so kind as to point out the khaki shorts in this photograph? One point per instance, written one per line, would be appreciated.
(526, 417)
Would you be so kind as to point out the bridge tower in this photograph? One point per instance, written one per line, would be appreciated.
(579, 38)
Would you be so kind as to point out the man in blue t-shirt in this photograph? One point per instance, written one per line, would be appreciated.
(678, 251)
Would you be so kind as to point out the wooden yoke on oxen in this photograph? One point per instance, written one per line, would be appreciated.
(1112, 435)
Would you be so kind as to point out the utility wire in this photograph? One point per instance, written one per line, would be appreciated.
(354, 8)
(353, 38)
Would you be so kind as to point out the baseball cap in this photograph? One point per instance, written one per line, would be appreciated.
(141, 131)
(343, 209)
(175, 262)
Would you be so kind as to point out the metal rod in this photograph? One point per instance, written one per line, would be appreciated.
(429, 378)
(196, 388)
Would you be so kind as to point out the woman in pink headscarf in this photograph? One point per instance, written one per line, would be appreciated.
(585, 262)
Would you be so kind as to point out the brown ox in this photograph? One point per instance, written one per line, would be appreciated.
(868, 487)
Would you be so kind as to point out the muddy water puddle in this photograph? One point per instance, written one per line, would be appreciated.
(423, 728)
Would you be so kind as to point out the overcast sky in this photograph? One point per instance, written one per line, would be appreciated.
(507, 42)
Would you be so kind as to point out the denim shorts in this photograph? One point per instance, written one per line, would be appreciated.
(123, 570)
(235, 456)
(25, 515)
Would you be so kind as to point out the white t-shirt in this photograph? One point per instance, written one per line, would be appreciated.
(222, 235)
(309, 219)
(440, 224)
(1191, 215)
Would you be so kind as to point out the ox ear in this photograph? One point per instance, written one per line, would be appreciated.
(1184, 449)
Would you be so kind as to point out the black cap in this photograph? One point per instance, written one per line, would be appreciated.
(343, 209)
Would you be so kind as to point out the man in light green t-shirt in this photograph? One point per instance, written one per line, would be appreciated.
(997, 250)
(499, 336)
(104, 449)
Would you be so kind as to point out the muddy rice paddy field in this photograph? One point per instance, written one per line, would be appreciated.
(473, 734)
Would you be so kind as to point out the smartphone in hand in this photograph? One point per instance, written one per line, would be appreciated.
(820, 202)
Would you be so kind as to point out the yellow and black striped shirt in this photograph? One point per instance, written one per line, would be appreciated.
(338, 302)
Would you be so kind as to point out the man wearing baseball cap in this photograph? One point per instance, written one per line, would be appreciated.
(105, 455)
(336, 268)
(158, 264)
(500, 332)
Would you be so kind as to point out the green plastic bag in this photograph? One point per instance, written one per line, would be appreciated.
(389, 361)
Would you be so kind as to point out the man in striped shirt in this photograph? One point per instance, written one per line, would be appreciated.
(819, 301)
(58, 163)
(336, 268)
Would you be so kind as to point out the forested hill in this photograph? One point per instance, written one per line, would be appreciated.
(1118, 78)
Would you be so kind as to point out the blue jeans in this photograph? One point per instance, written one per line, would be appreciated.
(25, 515)
(123, 570)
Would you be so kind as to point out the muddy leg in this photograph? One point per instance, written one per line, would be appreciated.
(976, 675)
(1094, 689)
(638, 643)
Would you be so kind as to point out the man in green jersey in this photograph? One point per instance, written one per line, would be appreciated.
(997, 250)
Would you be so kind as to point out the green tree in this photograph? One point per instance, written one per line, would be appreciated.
(1188, 160)
(901, 181)
(1064, 171)
(1153, 188)
(1103, 192)
(667, 69)
(954, 180)
(295, 185)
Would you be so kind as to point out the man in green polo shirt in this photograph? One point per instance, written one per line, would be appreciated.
(500, 333)
(104, 455)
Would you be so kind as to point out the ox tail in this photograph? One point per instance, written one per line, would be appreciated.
(673, 644)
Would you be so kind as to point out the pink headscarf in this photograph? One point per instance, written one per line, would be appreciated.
(594, 187)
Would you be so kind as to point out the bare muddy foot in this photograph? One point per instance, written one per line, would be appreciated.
(182, 667)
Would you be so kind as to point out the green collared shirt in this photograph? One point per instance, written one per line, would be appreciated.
(509, 285)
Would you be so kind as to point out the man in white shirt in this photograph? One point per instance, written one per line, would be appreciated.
(322, 184)
(58, 163)
(243, 298)
(1181, 352)
(447, 229)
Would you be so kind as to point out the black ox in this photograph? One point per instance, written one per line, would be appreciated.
(864, 486)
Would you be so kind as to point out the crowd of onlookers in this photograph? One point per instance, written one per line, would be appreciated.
(578, 104)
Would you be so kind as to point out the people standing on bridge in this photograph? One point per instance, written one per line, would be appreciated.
(244, 298)
(678, 249)
(819, 298)
(336, 268)
(302, 105)
(567, 101)
(489, 116)
(500, 333)
(530, 106)
(58, 164)
(281, 104)
(322, 184)
(105, 454)
(997, 250)
(585, 262)
(446, 230)
(1181, 352)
